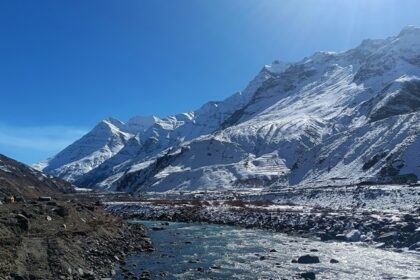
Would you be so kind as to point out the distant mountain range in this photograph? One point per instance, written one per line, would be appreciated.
(329, 119)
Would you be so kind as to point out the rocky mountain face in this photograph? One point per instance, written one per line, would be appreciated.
(18, 179)
(329, 119)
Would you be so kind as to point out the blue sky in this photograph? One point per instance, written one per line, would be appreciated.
(65, 65)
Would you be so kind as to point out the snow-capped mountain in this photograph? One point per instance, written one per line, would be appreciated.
(332, 118)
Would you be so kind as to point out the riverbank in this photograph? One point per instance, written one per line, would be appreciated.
(383, 217)
(65, 239)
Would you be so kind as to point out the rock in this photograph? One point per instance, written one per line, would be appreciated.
(88, 275)
(308, 275)
(49, 219)
(145, 275)
(380, 245)
(408, 218)
(307, 259)
(62, 211)
(415, 237)
(98, 203)
(80, 271)
(353, 236)
(157, 228)
(326, 236)
(16, 276)
(22, 222)
(386, 237)
(341, 237)
(44, 198)
(273, 251)
(414, 246)
(334, 261)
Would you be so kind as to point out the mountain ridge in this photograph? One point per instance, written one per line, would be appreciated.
(327, 119)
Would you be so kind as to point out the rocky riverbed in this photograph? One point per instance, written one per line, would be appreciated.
(207, 251)
(64, 239)
(371, 215)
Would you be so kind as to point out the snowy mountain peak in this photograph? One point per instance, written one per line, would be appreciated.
(410, 30)
(277, 67)
(141, 123)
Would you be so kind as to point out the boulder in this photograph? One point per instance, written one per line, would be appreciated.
(386, 237)
(353, 235)
(307, 259)
(414, 246)
(62, 211)
(308, 275)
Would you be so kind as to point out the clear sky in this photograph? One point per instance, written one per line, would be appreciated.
(65, 65)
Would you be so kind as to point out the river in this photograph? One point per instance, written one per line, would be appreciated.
(204, 251)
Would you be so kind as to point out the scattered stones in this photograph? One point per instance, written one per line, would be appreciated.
(308, 259)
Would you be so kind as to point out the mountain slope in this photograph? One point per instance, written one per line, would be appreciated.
(21, 180)
(332, 118)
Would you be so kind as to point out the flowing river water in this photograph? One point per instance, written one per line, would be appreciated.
(204, 251)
